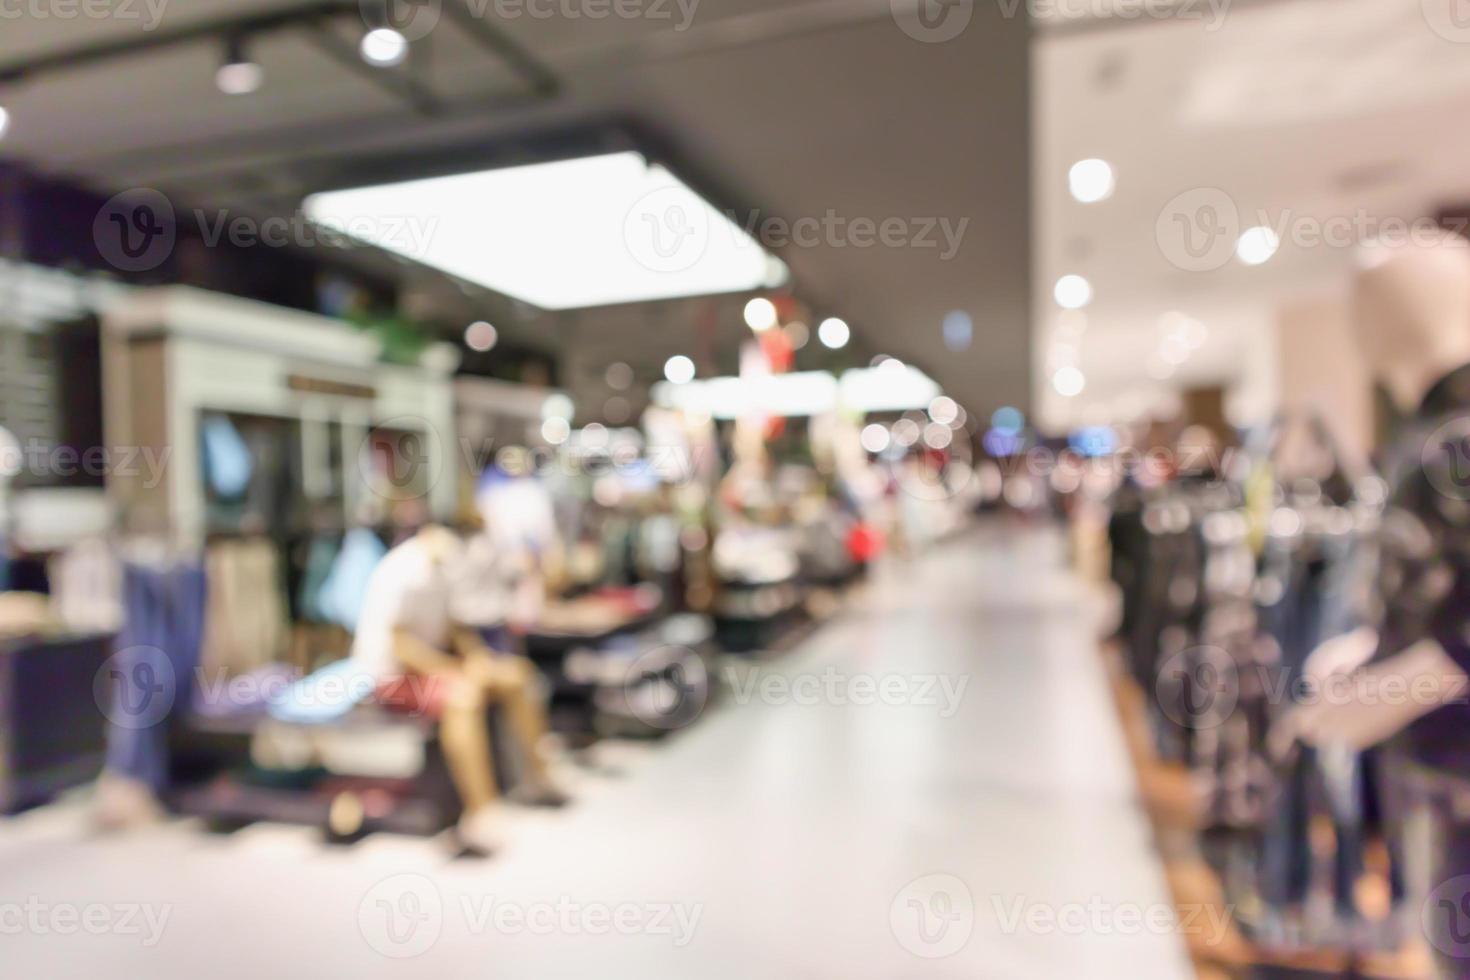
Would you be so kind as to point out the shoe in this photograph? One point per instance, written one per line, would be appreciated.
(540, 793)
(123, 803)
(479, 831)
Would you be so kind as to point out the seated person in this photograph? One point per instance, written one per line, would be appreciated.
(408, 627)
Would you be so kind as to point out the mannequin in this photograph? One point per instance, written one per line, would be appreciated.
(1406, 678)
(410, 626)
(1414, 326)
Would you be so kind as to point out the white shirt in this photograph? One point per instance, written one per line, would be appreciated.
(409, 590)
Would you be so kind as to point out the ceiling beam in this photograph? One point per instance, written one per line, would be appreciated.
(86, 55)
(542, 80)
(315, 20)
(397, 84)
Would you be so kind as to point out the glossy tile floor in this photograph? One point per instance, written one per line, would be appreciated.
(933, 786)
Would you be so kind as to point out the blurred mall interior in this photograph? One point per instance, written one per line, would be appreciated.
(734, 488)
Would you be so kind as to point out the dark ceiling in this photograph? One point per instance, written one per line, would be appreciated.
(785, 108)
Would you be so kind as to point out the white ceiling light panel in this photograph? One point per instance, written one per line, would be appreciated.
(592, 231)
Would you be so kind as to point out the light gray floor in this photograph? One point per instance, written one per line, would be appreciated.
(795, 839)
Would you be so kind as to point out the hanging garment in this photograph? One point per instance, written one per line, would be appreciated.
(152, 673)
(320, 555)
(245, 625)
(1305, 599)
(228, 464)
(344, 591)
(86, 587)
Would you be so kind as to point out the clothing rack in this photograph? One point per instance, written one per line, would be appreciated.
(1226, 590)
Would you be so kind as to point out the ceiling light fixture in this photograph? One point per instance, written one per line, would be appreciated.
(564, 234)
(1257, 245)
(959, 330)
(4, 122)
(679, 369)
(834, 333)
(1072, 292)
(944, 410)
(383, 47)
(480, 336)
(874, 438)
(1091, 181)
(761, 315)
(238, 75)
(1068, 381)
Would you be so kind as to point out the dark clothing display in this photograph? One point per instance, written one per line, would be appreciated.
(51, 735)
(1227, 593)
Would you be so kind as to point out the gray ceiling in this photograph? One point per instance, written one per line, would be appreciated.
(788, 107)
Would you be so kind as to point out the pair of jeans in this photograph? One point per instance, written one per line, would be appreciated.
(1313, 608)
(151, 672)
(1286, 875)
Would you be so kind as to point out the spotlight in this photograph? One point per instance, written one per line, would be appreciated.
(4, 122)
(1091, 181)
(1068, 382)
(1072, 292)
(874, 438)
(679, 369)
(761, 315)
(238, 75)
(1257, 245)
(833, 333)
(944, 410)
(383, 47)
(480, 336)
